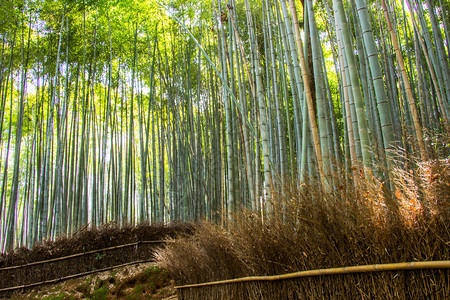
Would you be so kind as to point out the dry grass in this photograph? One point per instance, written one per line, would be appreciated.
(355, 223)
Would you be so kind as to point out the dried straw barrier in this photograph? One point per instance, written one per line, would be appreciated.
(306, 228)
(191, 291)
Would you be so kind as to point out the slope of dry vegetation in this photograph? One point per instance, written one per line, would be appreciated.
(85, 243)
(143, 281)
(356, 223)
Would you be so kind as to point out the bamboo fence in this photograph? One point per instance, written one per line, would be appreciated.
(13, 288)
(78, 255)
(6, 270)
(443, 264)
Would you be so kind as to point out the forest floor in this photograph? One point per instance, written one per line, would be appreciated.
(140, 281)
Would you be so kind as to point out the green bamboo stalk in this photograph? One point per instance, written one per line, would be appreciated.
(356, 88)
(409, 95)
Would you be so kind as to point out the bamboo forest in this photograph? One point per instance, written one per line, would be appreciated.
(131, 111)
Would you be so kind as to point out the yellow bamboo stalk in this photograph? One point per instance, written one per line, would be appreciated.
(443, 264)
(308, 94)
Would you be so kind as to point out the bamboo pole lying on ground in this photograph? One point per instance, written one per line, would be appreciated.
(443, 264)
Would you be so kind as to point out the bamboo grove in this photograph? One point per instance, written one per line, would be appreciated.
(133, 111)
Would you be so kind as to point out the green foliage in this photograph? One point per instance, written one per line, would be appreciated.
(99, 256)
(60, 296)
(114, 273)
(100, 293)
(153, 270)
(137, 292)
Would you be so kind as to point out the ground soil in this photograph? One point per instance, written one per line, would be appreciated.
(140, 281)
